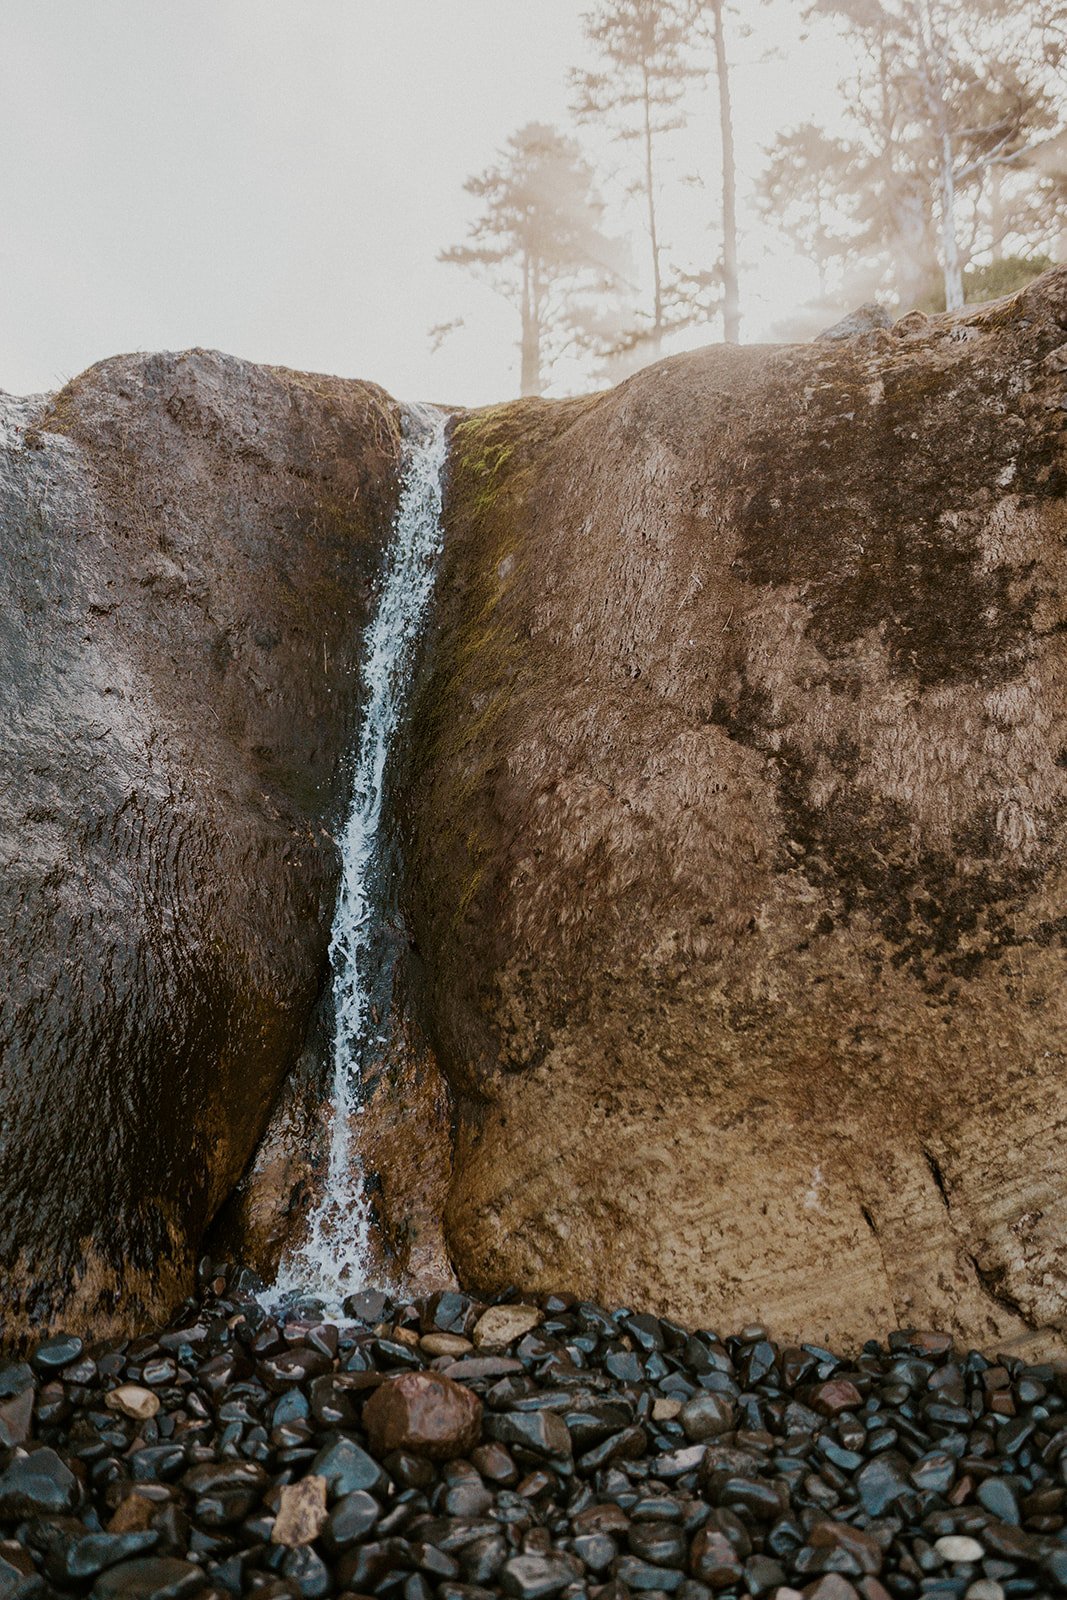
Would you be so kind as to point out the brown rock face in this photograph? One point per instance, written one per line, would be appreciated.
(189, 545)
(424, 1412)
(738, 834)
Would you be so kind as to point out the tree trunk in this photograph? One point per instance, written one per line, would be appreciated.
(530, 380)
(933, 72)
(731, 305)
(657, 278)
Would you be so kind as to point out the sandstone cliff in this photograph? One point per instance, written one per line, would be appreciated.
(738, 837)
(188, 549)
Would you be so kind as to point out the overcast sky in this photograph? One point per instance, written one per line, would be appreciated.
(275, 178)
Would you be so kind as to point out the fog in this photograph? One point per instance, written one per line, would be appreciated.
(276, 178)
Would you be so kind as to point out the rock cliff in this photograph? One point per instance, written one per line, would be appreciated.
(188, 550)
(738, 834)
(732, 809)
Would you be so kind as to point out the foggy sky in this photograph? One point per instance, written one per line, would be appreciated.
(275, 177)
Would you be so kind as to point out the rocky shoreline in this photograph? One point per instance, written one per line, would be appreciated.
(456, 1449)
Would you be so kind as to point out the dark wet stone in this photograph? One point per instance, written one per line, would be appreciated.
(16, 1417)
(149, 1578)
(882, 1482)
(483, 1558)
(862, 1548)
(346, 1468)
(713, 1559)
(425, 1413)
(217, 1478)
(370, 1306)
(662, 1543)
(596, 1551)
(37, 1485)
(157, 1462)
(680, 1463)
(351, 1519)
(467, 1499)
(641, 1577)
(305, 1568)
(763, 1575)
(57, 1352)
(83, 1558)
(706, 1416)
(541, 1432)
(999, 1500)
(646, 1331)
(15, 1378)
(760, 1500)
(629, 1445)
(626, 1366)
(297, 1365)
(833, 1397)
(536, 1577)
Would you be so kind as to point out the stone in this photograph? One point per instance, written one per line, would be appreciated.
(999, 1499)
(195, 731)
(536, 1577)
(868, 318)
(133, 1514)
(714, 1561)
(133, 1401)
(831, 1587)
(445, 1344)
(957, 1547)
(346, 1467)
(540, 1431)
(423, 1412)
(862, 1547)
(16, 1417)
(814, 703)
(83, 1558)
(301, 1512)
(149, 1578)
(504, 1325)
(37, 1485)
(835, 1396)
(352, 1519)
(706, 1416)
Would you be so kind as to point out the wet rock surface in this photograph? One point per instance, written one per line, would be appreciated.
(188, 556)
(944, 1475)
(739, 818)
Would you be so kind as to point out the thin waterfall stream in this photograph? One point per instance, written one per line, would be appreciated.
(333, 1260)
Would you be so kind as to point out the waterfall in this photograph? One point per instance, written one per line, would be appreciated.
(333, 1260)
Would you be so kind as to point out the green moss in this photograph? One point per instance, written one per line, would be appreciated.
(478, 658)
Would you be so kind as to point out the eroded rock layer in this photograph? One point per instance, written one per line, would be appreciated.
(189, 544)
(738, 835)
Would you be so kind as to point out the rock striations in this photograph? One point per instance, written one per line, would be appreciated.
(739, 837)
(732, 812)
(188, 547)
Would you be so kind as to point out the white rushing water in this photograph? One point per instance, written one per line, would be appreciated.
(333, 1260)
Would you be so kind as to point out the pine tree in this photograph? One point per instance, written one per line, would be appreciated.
(539, 241)
(951, 103)
(644, 47)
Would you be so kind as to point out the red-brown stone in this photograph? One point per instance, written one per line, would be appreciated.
(424, 1412)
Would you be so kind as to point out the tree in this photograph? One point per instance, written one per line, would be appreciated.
(709, 16)
(804, 189)
(644, 46)
(951, 102)
(539, 241)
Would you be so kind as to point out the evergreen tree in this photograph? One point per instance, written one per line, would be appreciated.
(539, 241)
(644, 46)
(950, 106)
